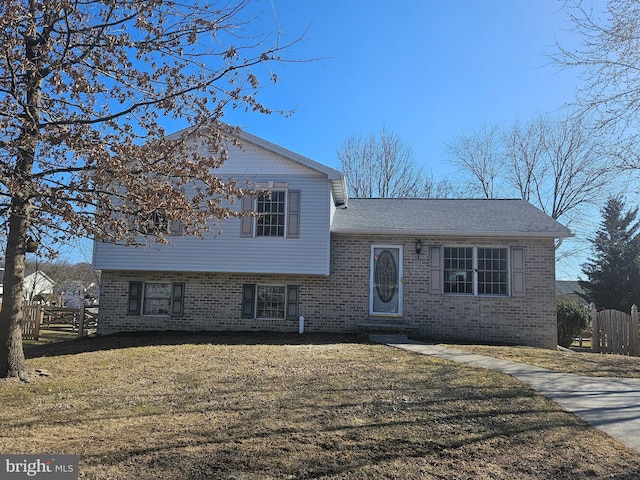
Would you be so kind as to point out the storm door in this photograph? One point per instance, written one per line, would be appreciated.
(386, 280)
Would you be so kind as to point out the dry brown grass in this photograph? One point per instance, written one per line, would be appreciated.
(580, 363)
(298, 407)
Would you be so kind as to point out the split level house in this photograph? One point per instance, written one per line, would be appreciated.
(450, 269)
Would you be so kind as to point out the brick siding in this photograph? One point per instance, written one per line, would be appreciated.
(339, 302)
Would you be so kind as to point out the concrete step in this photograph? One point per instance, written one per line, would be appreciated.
(364, 329)
(388, 338)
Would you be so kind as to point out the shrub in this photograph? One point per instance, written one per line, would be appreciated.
(573, 317)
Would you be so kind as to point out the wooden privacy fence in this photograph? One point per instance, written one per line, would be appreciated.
(31, 321)
(614, 331)
(36, 316)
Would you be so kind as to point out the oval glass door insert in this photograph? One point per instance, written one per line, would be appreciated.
(386, 276)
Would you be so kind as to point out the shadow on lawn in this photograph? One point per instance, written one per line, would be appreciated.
(145, 339)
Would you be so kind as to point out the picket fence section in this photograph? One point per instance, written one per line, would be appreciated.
(614, 331)
(31, 321)
(78, 319)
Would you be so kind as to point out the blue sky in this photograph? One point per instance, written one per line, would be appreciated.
(428, 70)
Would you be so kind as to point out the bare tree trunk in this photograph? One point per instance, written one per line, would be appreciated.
(12, 361)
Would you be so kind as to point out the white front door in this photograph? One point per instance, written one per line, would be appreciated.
(386, 280)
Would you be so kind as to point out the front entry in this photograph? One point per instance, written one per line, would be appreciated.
(386, 280)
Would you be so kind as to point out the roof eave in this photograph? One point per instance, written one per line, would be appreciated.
(277, 149)
(454, 233)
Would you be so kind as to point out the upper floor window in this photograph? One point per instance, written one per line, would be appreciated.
(271, 215)
(157, 223)
(276, 214)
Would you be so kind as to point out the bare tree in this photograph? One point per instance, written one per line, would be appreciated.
(605, 54)
(560, 165)
(478, 156)
(557, 164)
(442, 188)
(85, 89)
(379, 166)
(523, 157)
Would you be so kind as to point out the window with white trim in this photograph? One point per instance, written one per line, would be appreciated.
(155, 298)
(493, 271)
(271, 214)
(270, 301)
(458, 270)
(276, 214)
(157, 223)
(476, 270)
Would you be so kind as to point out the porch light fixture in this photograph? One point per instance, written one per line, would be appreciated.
(418, 247)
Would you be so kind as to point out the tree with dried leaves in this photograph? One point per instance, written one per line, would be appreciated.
(86, 90)
(379, 166)
(607, 60)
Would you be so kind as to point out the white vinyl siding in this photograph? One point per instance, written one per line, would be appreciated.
(225, 250)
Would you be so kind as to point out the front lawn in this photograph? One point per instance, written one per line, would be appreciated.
(298, 407)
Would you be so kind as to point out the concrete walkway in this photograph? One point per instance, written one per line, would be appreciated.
(609, 404)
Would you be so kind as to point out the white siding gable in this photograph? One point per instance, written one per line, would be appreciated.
(251, 160)
(224, 250)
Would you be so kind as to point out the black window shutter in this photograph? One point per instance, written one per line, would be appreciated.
(177, 299)
(292, 302)
(135, 298)
(248, 300)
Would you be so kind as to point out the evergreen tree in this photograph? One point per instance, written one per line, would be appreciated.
(614, 272)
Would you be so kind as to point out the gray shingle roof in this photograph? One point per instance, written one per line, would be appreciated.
(461, 217)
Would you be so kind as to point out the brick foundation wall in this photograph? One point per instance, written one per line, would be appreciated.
(339, 302)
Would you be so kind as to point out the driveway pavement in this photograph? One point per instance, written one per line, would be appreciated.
(609, 404)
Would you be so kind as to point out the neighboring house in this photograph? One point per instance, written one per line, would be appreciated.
(570, 290)
(459, 270)
(37, 285)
